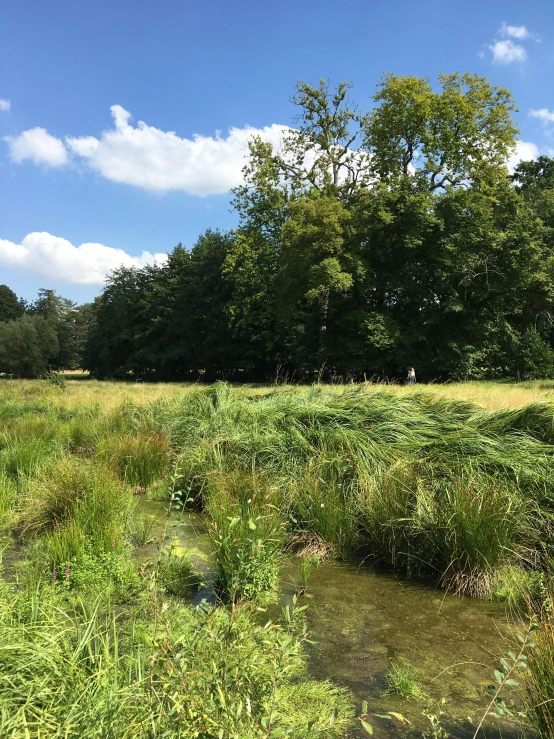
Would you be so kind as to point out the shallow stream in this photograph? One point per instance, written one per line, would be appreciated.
(362, 620)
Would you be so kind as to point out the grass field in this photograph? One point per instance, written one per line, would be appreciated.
(453, 483)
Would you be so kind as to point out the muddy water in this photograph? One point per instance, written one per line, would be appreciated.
(363, 620)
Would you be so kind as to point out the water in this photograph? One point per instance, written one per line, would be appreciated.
(362, 620)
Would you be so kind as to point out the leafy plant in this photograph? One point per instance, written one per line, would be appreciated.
(502, 703)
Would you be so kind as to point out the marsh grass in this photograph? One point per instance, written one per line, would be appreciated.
(427, 485)
(539, 679)
(141, 529)
(78, 495)
(176, 574)
(401, 681)
(81, 668)
(137, 459)
(305, 569)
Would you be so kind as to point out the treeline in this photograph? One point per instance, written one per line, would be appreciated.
(49, 334)
(367, 242)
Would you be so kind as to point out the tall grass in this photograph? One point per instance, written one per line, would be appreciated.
(77, 501)
(137, 459)
(162, 670)
(421, 483)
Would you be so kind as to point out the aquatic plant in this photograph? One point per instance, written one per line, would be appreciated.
(401, 681)
(176, 574)
(140, 530)
(306, 566)
(247, 534)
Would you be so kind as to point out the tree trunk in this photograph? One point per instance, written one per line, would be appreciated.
(323, 313)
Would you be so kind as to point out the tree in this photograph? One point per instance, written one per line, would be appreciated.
(10, 306)
(60, 313)
(464, 133)
(316, 262)
(535, 175)
(367, 242)
(26, 345)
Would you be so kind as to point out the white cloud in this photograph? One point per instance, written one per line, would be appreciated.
(506, 52)
(519, 32)
(147, 157)
(39, 146)
(57, 259)
(524, 151)
(5, 105)
(543, 114)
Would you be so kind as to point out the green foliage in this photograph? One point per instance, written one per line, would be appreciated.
(93, 572)
(502, 704)
(539, 679)
(57, 380)
(402, 682)
(247, 537)
(167, 671)
(519, 587)
(176, 574)
(10, 307)
(26, 345)
(535, 356)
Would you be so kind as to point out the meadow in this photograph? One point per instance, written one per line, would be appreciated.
(452, 484)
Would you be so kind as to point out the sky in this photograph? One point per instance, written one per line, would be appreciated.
(124, 125)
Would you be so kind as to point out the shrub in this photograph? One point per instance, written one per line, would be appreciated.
(170, 671)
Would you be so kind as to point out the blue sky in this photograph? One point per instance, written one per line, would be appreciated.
(77, 166)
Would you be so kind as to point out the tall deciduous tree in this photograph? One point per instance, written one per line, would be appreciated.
(462, 132)
(26, 345)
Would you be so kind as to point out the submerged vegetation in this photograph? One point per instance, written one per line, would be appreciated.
(94, 636)
(401, 681)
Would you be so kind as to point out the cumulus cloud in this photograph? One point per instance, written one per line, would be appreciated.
(147, 157)
(504, 49)
(39, 146)
(5, 105)
(524, 151)
(519, 32)
(544, 115)
(507, 52)
(57, 259)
